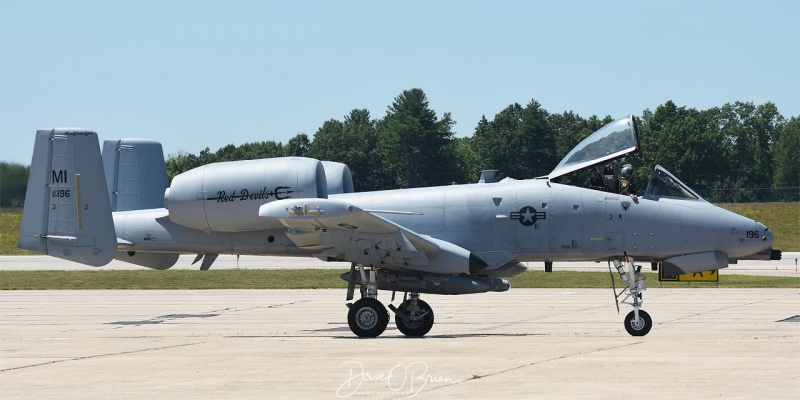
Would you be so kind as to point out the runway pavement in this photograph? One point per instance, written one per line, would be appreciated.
(788, 266)
(525, 343)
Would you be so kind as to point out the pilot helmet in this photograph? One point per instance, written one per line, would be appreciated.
(627, 171)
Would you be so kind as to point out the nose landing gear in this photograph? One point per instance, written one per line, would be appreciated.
(637, 322)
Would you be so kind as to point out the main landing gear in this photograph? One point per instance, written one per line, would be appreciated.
(637, 322)
(367, 317)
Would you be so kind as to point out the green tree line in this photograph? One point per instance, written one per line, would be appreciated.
(13, 182)
(738, 152)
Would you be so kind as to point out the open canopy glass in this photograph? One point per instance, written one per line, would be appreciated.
(613, 141)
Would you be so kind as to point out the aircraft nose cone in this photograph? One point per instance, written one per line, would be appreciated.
(766, 234)
(756, 238)
(747, 236)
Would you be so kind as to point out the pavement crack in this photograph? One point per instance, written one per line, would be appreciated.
(697, 314)
(99, 356)
(215, 313)
(532, 364)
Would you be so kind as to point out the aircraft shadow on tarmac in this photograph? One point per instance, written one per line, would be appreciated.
(163, 318)
(389, 331)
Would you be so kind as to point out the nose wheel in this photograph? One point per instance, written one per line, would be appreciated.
(638, 327)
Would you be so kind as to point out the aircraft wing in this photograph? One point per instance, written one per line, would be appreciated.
(342, 231)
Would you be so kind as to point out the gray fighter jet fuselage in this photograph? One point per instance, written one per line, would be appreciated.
(455, 239)
(501, 222)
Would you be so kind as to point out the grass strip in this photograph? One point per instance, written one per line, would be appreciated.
(321, 279)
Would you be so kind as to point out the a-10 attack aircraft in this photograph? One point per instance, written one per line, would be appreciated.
(457, 239)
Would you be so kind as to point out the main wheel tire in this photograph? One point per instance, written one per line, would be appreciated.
(642, 327)
(417, 328)
(367, 317)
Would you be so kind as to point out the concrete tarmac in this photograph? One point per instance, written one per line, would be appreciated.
(525, 343)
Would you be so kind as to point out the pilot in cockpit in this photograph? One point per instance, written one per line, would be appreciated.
(626, 185)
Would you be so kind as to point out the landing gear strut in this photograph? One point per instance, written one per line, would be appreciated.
(637, 322)
(367, 317)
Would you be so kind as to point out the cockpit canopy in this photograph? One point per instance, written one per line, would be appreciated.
(612, 142)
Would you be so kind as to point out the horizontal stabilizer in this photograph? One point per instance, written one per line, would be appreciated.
(159, 261)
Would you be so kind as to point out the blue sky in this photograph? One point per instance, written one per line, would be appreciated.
(196, 74)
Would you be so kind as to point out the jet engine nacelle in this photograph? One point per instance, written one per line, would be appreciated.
(225, 197)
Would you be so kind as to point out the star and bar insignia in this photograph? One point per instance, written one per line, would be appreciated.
(528, 215)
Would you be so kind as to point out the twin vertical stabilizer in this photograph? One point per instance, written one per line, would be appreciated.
(67, 212)
(136, 176)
